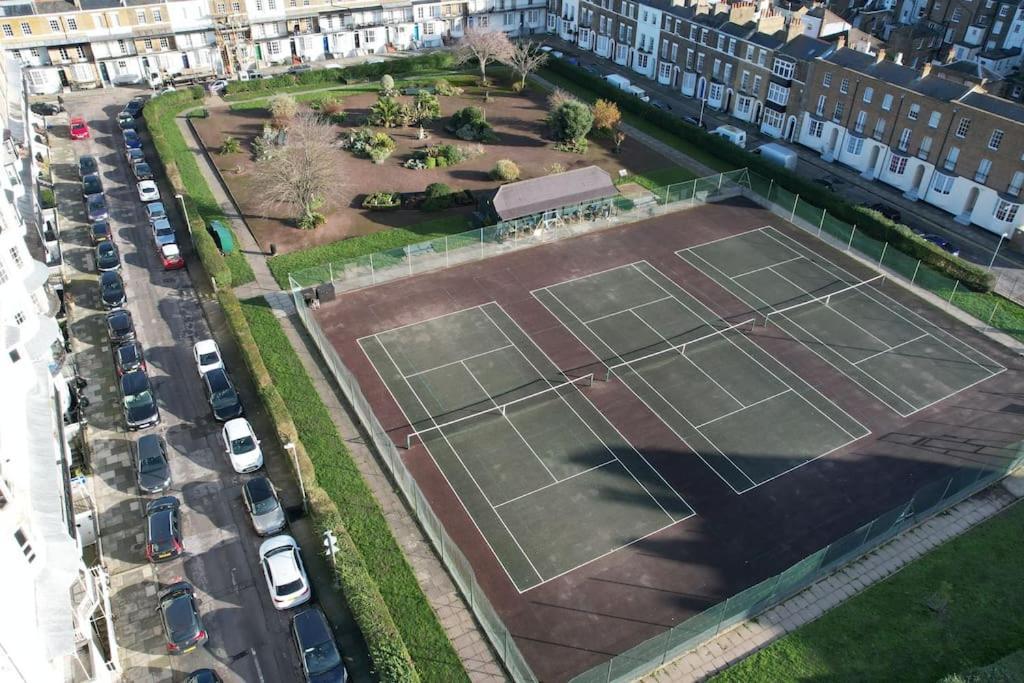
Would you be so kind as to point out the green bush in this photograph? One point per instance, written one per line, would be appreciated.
(572, 121)
(470, 123)
(387, 112)
(230, 145)
(47, 200)
(444, 87)
(438, 196)
(382, 201)
(505, 170)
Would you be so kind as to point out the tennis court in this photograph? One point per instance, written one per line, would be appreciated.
(901, 358)
(547, 480)
(745, 414)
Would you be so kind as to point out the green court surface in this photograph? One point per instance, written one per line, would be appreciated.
(548, 481)
(892, 352)
(745, 414)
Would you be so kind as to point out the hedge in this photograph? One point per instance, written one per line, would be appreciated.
(182, 171)
(866, 220)
(390, 658)
(405, 639)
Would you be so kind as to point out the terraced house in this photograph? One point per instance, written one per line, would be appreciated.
(940, 141)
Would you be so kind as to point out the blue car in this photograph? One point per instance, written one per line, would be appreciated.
(163, 232)
(132, 139)
(155, 211)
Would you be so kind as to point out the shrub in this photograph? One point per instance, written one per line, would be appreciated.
(425, 107)
(505, 170)
(312, 220)
(518, 87)
(571, 121)
(333, 109)
(387, 86)
(367, 143)
(47, 200)
(557, 98)
(382, 201)
(572, 146)
(444, 155)
(438, 197)
(443, 87)
(283, 108)
(553, 168)
(388, 112)
(606, 115)
(431, 162)
(470, 123)
(231, 145)
(200, 113)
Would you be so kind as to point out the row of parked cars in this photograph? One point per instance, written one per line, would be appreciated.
(280, 556)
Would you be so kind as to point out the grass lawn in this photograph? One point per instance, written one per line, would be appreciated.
(893, 631)
(306, 93)
(432, 653)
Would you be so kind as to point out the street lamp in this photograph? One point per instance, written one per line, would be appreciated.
(996, 252)
(290, 447)
(184, 213)
(703, 101)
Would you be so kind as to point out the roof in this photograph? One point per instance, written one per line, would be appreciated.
(995, 105)
(528, 197)
(769, 40)
(898, 75)
(970, 69)
(804, 48)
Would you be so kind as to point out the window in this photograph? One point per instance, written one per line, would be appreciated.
(221, 9)
(716, 92)
(689, 60)
(933, 120)
(924, 148)
(984, 168)
(716, 66)
(996, 139)
(274, 47)
(236, 7)
(844, 86)
(148, 44)
(778, 94)
(158, 15)
(693, 33)
(879, 129)
(62, 52)
(773, 119)
(826, 80)
(820, 109)
(951, 158)
(743, 105)
(955, 16)
(509, 17)
(757, 83)
(1005, 211)
(860, 121)
(782, 69)
(962, 127)
(26, 29)
(854, 145)
(54, 26)
(675, 53)
(720, 44)
(732, 46)
(897, 165)
(3, 273)
(750, 53)
(887, 102)
(1004, 10)
(904, 142)
(703, 36)
(815, 129)
(837, 113)
(122, 47)
(943, 184)
(1016, 183)
(700, 62)
(869, 93)
(26, 547)
(164, 44)
(914, 112)
(140, 16)
(762, 57)
(80, 52)
(744, 81)
(664, 70)
(19, 318)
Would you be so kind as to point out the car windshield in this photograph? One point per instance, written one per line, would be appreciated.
(119, 323)
(290, 587)
(143, 399)
(243, 444)
(142, 168)
(224, 398)
(262, 507)
(321, 658)
(208, 358)
(164, 230)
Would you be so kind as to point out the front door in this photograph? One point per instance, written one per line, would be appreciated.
(184, 61)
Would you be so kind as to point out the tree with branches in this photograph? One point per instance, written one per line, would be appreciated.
(486, 47)
(302, 172)
(524, 58)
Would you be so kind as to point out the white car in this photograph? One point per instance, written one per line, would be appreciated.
(207, 356)
(282, 567)
(148, 191)
(218, 86)
(242, 446)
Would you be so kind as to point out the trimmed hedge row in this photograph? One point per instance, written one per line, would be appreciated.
(866, 220)
(387, 649)
(434, 61)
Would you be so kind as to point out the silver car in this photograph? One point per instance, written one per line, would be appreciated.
(263, 505)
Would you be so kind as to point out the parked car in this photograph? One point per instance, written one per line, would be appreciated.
(264, 506)
(45, 108)
(129, 357)
(100, 231)
(87, 165)
(218, 86)
(134, 106)
(207, 356)
(284, 572)
(242, 446)
(163, 529)
(318, 653)
(694, 121)
(107, 258)
(138, 401)
(203, 676)
(221, 395)
(134, 155)
(126, 121)
(132, 140)
(170, 257)
(79, 128)
(183, 627)
(142, 171)
(155, 211)
(148, 191)
(91, 186)
(120, 327)
(152, 470)
(96, 208)
(300, 68)
(112, 292)
(887, 211)
(660, 104)
(942, 243)
(163, 232)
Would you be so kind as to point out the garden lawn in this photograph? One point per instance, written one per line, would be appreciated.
(898, 630)
(432, 653)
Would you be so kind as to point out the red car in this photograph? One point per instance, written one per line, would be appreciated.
(79, 129)
(170, 256)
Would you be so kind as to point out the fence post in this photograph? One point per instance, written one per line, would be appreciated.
(821, 223)
(849, 243)
(408, 257)
(481, 242)
(993, 313)
(330, 269)
(446, 251)
(373, 273)
(885, 245)
(771, 185)
(793, 214)
(720, 175)
(916, 268)
(951, 294)
(664, 200)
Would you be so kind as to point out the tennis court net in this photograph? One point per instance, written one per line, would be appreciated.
(501, 408)
(681, 348)
(824, 298)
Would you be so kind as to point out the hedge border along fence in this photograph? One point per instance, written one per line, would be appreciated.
(183, 173)
(866, 220)
(404, 66)
(406, 641)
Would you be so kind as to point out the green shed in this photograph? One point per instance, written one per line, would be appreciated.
(222, 234)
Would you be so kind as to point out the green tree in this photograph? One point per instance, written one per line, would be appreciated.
(572, 121)
(425, 107)
(387, 112)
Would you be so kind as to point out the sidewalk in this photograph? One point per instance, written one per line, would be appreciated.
(453, 613)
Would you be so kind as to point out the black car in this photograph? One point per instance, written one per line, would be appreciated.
(132, 140)
(112, 290)
(318, 653)
(660, 104)
(152, 471)
(134, 107)
(100, 231)
(107, 257)
(96, 208)
(222, 396)
(45, 108)
(91, 186)
(120, 328)
(129, 357)
(126, 121)
(887, 211)
(163, 530)
(203, 676)
(694, 121)
(142, 171)
(87, 165)
(138, 401)
(183, 627)
(942, 243)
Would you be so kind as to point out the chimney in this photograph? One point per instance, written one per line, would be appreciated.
(741, 13)
(771, 22)
(898, 58)
(880, 55)
(926, 70)
(840, 42)
(795, 28)
(951, 55)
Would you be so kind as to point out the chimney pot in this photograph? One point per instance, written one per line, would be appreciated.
(880, 55)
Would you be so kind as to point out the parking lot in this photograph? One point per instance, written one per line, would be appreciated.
(248, 639)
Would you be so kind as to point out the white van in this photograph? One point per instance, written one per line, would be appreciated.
(639, 92)
(733, 135)
(620, 82)
(778, 154)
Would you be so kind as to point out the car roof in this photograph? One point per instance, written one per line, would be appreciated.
(129, 351)
(77, 119)
(119, 314)
(283, 566)
(170, 250)
(106, 245)
(217, 379)
(311, 627)
(149, 445)
(237, 428)
(135, 381)
(109, 277)
(206, 346)
(259, 488)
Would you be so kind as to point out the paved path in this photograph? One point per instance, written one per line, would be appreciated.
(469, 641)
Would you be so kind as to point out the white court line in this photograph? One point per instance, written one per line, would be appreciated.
(656, 414)
(455, 491)
(722, 239)
(751, 405)
(769, 267)
(569, 405)
(891, 348)
(585, 277)
(631, 309)
(419, 322)
(454, 362)
(510, 423)
(555, 483)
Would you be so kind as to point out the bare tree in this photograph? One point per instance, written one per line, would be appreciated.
(524, 58)
(302, 172)
(485, 47)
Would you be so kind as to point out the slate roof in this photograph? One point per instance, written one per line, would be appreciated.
(528, 197)
(898, 75)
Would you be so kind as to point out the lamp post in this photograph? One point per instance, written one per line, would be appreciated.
(290, 447)
(703, 101)
(188, 223)
(996, 252)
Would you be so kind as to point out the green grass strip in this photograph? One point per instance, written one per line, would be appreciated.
(957, 608)
(336, 472)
